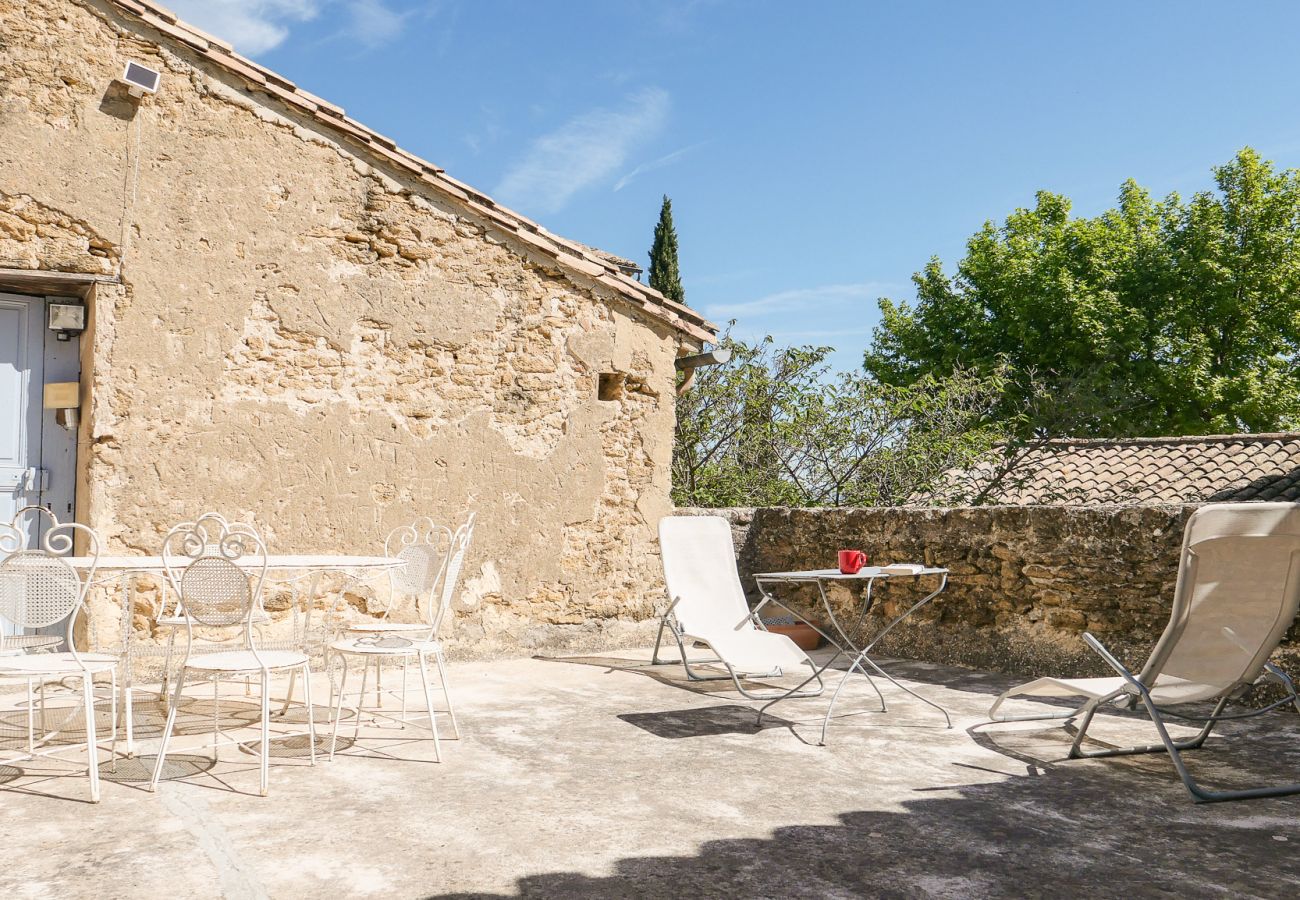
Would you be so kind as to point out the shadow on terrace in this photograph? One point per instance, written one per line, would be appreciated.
(1027, 822)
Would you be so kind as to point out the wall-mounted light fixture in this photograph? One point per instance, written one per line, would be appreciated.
(67, 319)
(688, 364)
(140, 79)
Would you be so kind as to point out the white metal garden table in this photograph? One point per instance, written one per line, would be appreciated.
(295, 568)
(842, 637)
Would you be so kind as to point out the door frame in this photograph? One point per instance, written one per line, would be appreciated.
(52, 448)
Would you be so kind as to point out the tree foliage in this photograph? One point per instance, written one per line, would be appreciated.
(665, 273)
(773, 427)
(1156, 317)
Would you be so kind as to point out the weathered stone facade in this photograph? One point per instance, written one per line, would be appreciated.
(1025, 581)
(292, 333)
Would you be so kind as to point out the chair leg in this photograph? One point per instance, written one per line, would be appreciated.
(654, 657)
(128, 715)
(216, 717)
(293, 684)
(361, 697)
(338, 710)
(681, 649)
(31, 719)
(1192, 743)
(311, 714)
(1199, 794)
(92, 746)
(167, 730)
(406, 664)
(428, 703)
(329, 678)
(265, 768)
(446, 692)
(112, 747)
(1175, 748)
(164, 693)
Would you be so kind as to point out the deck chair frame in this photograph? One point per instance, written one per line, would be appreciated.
(669, 621)
(731, 598)
(1135, 692)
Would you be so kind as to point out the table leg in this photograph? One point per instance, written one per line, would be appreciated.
(863, 657)
(843, 645)
(846, 645)
(817, 673)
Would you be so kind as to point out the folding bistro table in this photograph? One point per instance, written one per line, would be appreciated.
(841, 637)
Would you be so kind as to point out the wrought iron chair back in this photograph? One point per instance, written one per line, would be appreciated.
(178, 551)
(38, 588)
(460, 542)
(217, 569)
(424, 548)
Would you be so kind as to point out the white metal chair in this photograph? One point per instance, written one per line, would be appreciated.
(431, 574)
(215, 591)
(424, 549)
(708, 606)
(39, 589)
(1237, 593)
(177, 553)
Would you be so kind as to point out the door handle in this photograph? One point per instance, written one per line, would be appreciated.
(38, 480)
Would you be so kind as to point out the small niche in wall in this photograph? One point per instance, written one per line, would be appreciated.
(610, 386)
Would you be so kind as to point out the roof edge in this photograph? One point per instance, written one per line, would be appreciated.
(1247, 438)
(593, 267)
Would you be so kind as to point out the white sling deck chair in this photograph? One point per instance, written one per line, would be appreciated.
(1237, 593)
(707, 605)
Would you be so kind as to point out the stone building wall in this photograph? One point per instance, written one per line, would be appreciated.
(1025, 582)
(299, 337)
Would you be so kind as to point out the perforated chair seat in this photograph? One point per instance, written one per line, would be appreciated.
(259, 617)
(29, 641)
(49, 664)
(388, 626)
(245, 660)
(361, 645)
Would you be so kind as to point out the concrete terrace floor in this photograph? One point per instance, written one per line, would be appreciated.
(593, 777)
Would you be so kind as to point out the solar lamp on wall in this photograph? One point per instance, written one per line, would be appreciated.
(140, 79)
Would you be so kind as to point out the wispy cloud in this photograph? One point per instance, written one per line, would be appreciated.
(666, 160)
(253, 26)
(375, 24)
(256, 26)
(581, 152)
(802, 299)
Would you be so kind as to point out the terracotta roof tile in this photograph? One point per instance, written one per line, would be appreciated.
(1144, 470)
(572, 255)
(159, 10)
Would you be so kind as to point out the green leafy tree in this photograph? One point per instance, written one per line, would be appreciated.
(773, 427)
(1156, 317)
(665, 273)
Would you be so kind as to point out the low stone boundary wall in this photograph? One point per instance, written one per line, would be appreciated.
(1026, 581)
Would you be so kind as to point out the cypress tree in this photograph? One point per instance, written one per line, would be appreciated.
(665, 275)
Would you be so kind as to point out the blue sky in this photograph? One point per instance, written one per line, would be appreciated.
(817, 154)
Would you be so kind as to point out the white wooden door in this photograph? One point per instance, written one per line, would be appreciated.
(37, 455)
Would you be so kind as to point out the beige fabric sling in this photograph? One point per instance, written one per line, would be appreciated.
(1237, 593)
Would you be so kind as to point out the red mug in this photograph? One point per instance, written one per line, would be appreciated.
(852, 561)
